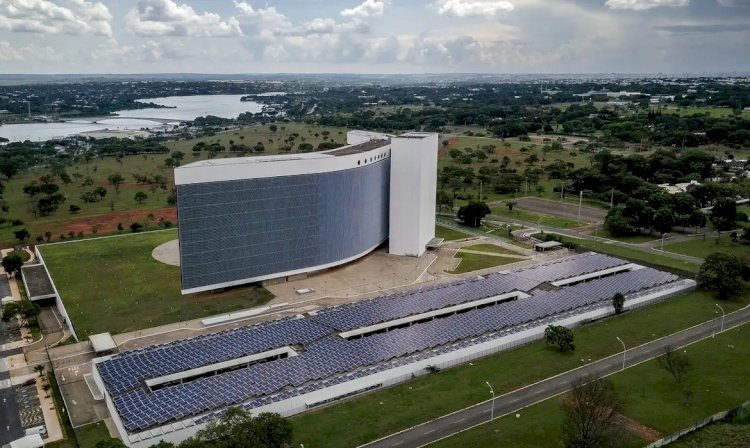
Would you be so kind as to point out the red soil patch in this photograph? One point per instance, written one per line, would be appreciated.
(445, 148)
(108, 223)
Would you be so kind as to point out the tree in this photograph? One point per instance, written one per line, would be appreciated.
(116, 180)
(12, 263)
(472, 214)
(724, 214)
(591, 410)
(618, 302)
(136, 227)
(25, 311)
(663, 220)
(238, 429)
(444, 200)
(273, 128)
(73, 209)
(510, 205)
(560, 336)
(696, 219)
(140, 197)
(675, 362)
(721, 273)
(22, 234)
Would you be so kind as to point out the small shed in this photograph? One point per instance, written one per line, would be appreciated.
(102, 343)
(547, 245)
(32, 441)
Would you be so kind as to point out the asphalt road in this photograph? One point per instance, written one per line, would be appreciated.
(512, 402)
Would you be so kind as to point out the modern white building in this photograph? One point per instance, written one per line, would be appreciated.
(251, 219)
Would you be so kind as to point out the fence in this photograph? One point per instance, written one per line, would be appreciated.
(695, 426)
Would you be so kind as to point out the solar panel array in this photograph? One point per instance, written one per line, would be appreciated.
(125, 372)
(329, 359)
(381, 309)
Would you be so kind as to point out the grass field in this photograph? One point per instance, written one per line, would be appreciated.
(717, 435)
(118, 278)
(449, 234)
(697, 247)
(544, 220)
(636, 255)
(476, 262)
(491, 248)
(404, 405)
(650, 396)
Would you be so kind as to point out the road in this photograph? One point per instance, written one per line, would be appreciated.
(511, 402)
(10, 421)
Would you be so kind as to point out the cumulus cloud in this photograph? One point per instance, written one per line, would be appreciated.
(55, 17)
(642, 5)
(473, 8)
(8, 52)
(149, 51)
(365, 9)
(153, 18)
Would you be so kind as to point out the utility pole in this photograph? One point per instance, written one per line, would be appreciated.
(612, 198)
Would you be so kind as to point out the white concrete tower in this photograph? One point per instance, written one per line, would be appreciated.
(413, 186)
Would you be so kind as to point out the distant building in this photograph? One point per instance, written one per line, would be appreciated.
(686, 187)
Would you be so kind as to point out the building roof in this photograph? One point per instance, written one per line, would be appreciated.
(32, 441)
(37, 281)
(102, 342)
(548, 245)
(5, 286)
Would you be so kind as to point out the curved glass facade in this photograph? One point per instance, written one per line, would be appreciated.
(246, 230)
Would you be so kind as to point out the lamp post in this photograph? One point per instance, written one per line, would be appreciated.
(623, 351)
(580, 202)
(492, 392)
(722, 317)
(662, 241)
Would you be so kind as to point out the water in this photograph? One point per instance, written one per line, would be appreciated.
(181, 108)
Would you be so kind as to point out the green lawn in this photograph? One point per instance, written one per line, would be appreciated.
(449, 234)
(427, 397)
(717, 435)
(118, 278)
(636, 255)
(476, 262)
(650, 396)
(545, 220)
(491, 248)
(714, 112)
(698, 247)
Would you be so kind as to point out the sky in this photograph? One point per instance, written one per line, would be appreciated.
(374, 36)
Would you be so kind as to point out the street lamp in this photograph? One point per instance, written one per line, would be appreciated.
(580, 202)
(722, 317)
(492, 391)
(623, 351)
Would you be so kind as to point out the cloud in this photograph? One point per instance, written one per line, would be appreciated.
(730, 3)
(473, 8)
(642, 5)
(150, 51)
(365, 9)
(9, 53)
(154, 18)
(705, 29)
(55, 17)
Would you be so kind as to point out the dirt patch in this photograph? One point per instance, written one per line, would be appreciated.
(443, 151)
(108, 223)
(632, 426)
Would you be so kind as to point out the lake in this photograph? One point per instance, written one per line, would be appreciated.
(181, 108)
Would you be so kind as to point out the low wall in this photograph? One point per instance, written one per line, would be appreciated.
(58, 299)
